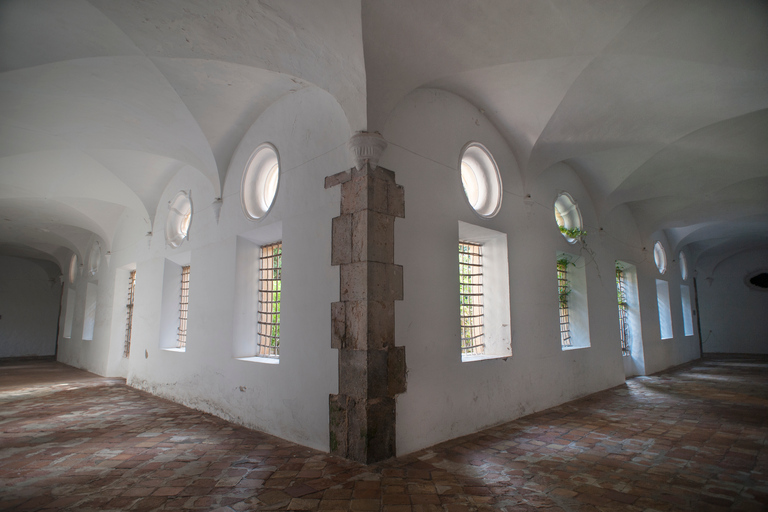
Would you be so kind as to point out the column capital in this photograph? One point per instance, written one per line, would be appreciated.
(366, 147)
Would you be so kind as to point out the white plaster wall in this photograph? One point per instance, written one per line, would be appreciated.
(733, 315)
(445, 397)
(289, 399)
(29, 309)
(660, 354)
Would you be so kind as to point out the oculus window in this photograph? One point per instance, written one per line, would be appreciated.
(568, 216)
(94, 258)
(73, 268)
(683, 266)
(660, 257)
(480, 179)
(179, 219)
(260, 181)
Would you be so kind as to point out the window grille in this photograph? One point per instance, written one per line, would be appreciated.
(183, 308)
(471, 298)
(621, 293)
(270, 291)
(564, 290)
(129, 313)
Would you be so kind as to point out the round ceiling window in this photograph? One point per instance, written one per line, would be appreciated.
(683, 265)
(179, 218)
(260, 181)
(94, 258)
(73, 268)
(481, 179)
(660, 257)
(567, 216)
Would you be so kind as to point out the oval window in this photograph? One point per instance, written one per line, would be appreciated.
(94, 258)
(683, 265)
(73, 268)
(660, 257)
(568, 217)
(480, 179)
(179, 218)
(260, 181)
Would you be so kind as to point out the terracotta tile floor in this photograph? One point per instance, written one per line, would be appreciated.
(690, 439)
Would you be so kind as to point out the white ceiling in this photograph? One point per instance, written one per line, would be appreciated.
(658, 105)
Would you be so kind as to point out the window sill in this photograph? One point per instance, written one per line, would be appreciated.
(174, 349)
(471, 358)
(258, 359)
(574, 348)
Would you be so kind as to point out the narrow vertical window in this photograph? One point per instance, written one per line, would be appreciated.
(181, 339)
(471, 298)
(563, 291)
(270, 291)
(129, 313)
(621, 294)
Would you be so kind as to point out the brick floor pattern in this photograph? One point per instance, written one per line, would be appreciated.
(693, 438)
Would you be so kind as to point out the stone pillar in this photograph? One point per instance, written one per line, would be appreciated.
(371, 367)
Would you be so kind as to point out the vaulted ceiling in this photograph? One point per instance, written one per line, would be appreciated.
(658, 105)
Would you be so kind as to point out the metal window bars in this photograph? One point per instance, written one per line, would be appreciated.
(564, 290)
(129, 313)
(471, 298)
(270, 291)
(621, 293)
(181, 339)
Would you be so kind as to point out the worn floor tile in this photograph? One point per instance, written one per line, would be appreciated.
(691, 439)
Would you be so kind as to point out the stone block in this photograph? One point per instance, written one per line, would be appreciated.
(377, 195)
(396, 200)
(338, 178)
(338, 424)
(381, 237)
(338, 325)
(380, 324)
(354, 195)
(359, 236)
(357, 431)
(396, 371)
(381, 173)
(353, 373)
(385, 282)
(373, 237)
(381, 418)
(353, 279)
(377, 373)
(341, 243)
(356, 327)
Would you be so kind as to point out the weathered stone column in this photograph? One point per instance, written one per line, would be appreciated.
(371, 367)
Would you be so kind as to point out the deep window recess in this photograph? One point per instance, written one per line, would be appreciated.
(480, 179)
(622, 297)
(563, 291)
(471, 298)
(129, 313)
(181, 338)
(270, 291)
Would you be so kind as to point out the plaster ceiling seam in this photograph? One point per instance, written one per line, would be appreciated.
(612, 203)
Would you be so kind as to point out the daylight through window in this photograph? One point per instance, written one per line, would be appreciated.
(621, 294)
(471, 298)
(563, 291)
(181, 339)
(129, 313)
(270, 291)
